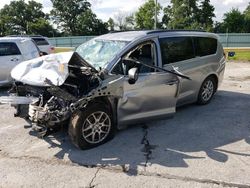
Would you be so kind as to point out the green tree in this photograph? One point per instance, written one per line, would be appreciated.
(188, 14)
(66, 13)
(167, 16)
(145, 16)
(219, 27)
(247, 19)
(89, 24)
(111, 24)
(120, 20)
(124, 21)
(18, 18)
(5, 25)
(181, 14)
(130, 22)
(233, 21)
(42, 27)
(205, 15)
(184, 13)
(75, 17)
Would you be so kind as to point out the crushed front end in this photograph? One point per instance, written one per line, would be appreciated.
(52, 97)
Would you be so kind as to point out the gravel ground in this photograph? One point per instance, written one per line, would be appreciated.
(202, 146)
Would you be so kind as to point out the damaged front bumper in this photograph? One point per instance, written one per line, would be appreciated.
(49, 114)
(18, 100)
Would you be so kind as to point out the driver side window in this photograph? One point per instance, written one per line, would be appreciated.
(144, 53)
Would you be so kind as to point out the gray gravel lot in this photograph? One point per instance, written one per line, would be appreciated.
(202, 146)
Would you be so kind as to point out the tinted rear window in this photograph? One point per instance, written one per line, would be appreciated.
(9, 48)
(176, 49)
(205, 46)
(40, 41)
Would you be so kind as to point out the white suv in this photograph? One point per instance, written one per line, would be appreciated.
(43, 44)
(14, 50)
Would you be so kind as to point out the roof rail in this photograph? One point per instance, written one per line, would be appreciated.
(126, 31)
(36, 36)
(174, 30)
(159, 30)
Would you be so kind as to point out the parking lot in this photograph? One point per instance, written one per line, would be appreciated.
(201, 146)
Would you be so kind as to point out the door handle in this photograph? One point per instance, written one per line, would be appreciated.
(14, 59)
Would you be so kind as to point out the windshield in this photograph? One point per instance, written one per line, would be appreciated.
(99, 52)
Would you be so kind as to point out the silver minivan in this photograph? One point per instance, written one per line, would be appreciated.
(118, 79)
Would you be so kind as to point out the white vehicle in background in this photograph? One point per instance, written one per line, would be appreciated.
(14, 50)
(42, 42)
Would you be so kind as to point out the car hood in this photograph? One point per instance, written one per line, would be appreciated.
(48, 70)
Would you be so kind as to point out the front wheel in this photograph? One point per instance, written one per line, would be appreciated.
(207, 91)
(92, 127)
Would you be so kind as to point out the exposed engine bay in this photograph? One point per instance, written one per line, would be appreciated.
(52, 102)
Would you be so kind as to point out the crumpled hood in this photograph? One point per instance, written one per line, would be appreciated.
(44, 71)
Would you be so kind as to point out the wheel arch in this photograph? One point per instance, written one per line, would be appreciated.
(76, 117)
(111, 103)
(216, 80)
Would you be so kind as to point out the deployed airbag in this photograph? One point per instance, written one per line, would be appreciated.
(44, 71)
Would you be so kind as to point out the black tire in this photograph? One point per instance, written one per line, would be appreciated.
(207, 91)
(82, 119)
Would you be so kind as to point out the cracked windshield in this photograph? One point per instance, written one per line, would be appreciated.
(99, 52)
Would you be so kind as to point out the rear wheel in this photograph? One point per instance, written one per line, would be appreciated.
(92, 127)
(207, 91)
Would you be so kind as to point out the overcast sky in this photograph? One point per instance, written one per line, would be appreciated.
(108, 8)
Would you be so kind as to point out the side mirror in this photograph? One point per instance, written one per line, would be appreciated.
(132, 75)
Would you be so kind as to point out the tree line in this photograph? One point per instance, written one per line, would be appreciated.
(75, 17)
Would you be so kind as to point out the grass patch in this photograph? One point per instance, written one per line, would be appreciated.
(240, 54)
(63, 49)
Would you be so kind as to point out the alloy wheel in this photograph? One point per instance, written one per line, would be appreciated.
(96, 127)
(207, 90)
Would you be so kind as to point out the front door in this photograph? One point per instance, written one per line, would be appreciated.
(153, 95)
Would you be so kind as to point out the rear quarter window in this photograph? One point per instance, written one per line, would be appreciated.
(9, 48)
(40, 41)
(205, 46)
(174, 49)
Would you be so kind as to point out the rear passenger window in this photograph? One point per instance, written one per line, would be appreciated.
(40, 41)
(9, 48)
(205, 46)
(176, 49)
